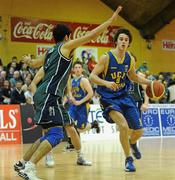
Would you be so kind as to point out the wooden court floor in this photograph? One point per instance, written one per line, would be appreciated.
(158, 162)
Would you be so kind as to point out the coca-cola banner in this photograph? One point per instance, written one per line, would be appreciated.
(40, 31)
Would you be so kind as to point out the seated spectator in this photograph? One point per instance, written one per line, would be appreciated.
(1, 85)
(1, 68)
(171, 88)
(14, 59)
(16, 77)
(17, 95)
(6, 92)
(143, 67)
(161, 78)
(27, 82)
(3, 75)
(10, 73)
(29, 96)
(24, 71)
(1, 82)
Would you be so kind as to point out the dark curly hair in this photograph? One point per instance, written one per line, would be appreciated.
(60, 31)
(123, 31)
(78, 62)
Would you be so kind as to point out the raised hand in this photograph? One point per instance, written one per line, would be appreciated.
(115, 15)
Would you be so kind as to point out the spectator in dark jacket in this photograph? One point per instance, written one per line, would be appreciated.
(17, 95)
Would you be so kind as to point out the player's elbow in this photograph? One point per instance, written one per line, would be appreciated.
(91, 94)
(91, 77)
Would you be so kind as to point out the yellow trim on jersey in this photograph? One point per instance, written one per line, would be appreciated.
(119, 62)
(132, 63)
(87, 108)
(106, 70)
(81, 86)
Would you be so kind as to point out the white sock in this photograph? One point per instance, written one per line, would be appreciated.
(79, 153)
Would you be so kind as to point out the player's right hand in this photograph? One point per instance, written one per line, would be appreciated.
(111, 85)
(115, 15)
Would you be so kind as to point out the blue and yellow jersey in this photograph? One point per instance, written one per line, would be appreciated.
(117, 72)
(77, 91)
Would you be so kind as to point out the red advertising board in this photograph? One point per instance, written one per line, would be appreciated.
(10, 124)
(40, 31)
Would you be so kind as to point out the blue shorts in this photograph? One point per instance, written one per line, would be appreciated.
(79, 114)
(125, 105)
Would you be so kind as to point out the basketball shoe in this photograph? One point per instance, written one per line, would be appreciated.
(69, 145)
(82, 162)
(49, 160)
(29, 172)
(135, 151)
(95, 125)
(129, 165)
(19, 166)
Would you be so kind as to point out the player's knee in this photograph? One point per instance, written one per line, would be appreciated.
(70, 130)
(54, 136)
(123, 127)
(140, 131)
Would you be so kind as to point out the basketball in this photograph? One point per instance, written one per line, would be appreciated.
(155, 90)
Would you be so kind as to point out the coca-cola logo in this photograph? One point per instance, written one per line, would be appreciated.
(82, 31)
(35, 30)
(41, 31)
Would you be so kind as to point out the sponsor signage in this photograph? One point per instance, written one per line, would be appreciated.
(41, 49)
(168, 45)
(30, 131)
(40, 31)
(10, 124)
(168, 121)
(108, 131)
(151, 124)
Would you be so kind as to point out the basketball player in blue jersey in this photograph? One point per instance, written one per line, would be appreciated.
(50, 113)
(80, 93)
(111, 75)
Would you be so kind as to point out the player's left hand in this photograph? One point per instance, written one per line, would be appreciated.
(77, 103)
(144, 107)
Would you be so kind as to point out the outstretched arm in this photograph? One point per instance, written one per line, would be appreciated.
(35, 63)
(133, 76)
(138, 79)
(72, 44)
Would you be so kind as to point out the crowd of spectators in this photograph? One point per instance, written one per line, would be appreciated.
(16, 77)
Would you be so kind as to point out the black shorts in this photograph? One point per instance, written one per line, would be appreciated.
(49, 111)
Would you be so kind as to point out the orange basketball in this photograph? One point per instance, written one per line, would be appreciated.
(155, 90)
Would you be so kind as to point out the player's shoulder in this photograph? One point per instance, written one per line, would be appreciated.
(84, 79)
(104, 57)
(130, 55)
